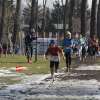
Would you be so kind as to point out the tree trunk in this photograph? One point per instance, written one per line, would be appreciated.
(44, 23)
(2, 20)
(12, 6)
(83, 17)
(44, 17)
(72, 4)
(32, 21)
(93, 19)
(65, 17)
(16, 22)
(98, 21)
(36, 51)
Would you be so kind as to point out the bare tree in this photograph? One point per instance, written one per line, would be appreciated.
(93, 19)
(98, 21)
(2, 19)
(44, 22)
(44, 17)
(16, 23)
(72, 4)
(36, 29)
(65, 17)
(83, 17)
(32, 20)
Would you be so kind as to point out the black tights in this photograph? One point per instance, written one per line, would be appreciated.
(54, 67)
(68, 59)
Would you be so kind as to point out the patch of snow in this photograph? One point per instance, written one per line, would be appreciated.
(7, 73)
(95, 67)
(37, 87)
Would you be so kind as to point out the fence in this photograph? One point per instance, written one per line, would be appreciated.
(42, 45)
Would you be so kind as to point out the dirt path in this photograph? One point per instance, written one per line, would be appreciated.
(82, 83)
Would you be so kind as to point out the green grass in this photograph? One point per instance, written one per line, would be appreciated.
(39, 67)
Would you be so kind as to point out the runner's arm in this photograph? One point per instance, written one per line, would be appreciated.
(47, 53)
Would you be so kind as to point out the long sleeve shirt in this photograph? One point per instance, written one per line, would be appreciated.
(67, 43)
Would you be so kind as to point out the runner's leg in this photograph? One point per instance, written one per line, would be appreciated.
(69, 61)
(52, 68)
(66, 55)
(56, 66)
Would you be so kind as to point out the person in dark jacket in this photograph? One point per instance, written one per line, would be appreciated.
(29, 46)
(83, 53)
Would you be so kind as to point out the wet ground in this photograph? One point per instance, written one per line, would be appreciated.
(82, 83)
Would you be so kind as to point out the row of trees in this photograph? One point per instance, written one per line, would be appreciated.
(62, 13)
(9, 20)
(94, 24)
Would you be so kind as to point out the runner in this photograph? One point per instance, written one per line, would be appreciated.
(29, 46)
(54, 51)
(83, 53)
(82, 48)
(67, 47)
(92, 49)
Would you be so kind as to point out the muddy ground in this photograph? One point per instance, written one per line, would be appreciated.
(81, 83)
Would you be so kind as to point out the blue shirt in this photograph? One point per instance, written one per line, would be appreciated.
(67, 43)
(76, 42)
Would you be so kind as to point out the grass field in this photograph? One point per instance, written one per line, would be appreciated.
(39, 67)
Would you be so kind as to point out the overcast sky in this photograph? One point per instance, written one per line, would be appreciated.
(50, 2)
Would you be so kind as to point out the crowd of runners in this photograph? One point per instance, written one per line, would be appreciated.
(82, 47)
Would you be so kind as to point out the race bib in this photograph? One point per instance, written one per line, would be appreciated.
(55, 58)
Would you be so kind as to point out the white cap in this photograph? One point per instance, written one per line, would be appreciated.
(68, 33)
